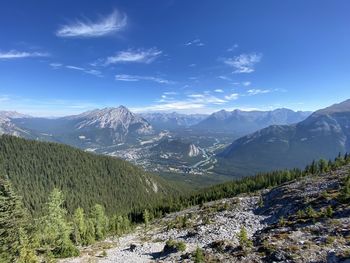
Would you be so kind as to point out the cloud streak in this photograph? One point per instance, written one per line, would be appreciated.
(219, 91)
(145, 56)
(107, 25)
(196, 42)
(232, 96)
(94, 72)
(13, 54)
(244, 63)
(131, 78)
(252, 92)
(188, 102)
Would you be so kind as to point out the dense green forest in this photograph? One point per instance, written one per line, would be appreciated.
(36, 168)
(71, 215)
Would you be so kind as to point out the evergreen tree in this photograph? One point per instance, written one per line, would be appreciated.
(27, 253)
(100, 221)
(90, 231)
(345, 190)
(12, 220)
(79, 227)
(146, 217)
(243, 239)
(322, 166)
(56, 231)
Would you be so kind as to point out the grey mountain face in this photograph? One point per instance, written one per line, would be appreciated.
(7, 125)
(324, 134)
(172, 121)
(244, 122)
(120, 120)
(176, 146)
(91, 129)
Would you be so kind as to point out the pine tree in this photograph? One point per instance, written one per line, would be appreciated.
(146, 217)
(100, 221)
(27, 253)
(79, 227)
(12, 221)
(345, 190)
(90, 231)
(322, 165)
(243, 239)
(55, 232)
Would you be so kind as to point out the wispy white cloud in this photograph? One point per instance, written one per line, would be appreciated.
(170, 93)
(74, 67)
(94, 72)
(206, 98)
(14, 54)
(56, 65)
(258, 91)
(246, 83)
(244, 63)
(171, 106)
(106, 25)
(196, 42)
(146, 56)
(232, 48)
(4, 98)
(186, 102)
(125, 77)
(224, 78)
(232, 96)
(219, 90)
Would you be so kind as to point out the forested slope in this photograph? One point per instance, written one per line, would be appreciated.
(35, 168)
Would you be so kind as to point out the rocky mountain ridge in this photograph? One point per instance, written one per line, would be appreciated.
(305, 220)
(324, 134)
(244, 122)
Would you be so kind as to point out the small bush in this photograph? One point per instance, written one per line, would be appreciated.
(198, 255)
(329, 211)
(310, 212)
(181, 246)
(282, 221)
(243, 239)
(330, 240)
(172, 246)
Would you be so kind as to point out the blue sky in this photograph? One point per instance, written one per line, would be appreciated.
(65, 57)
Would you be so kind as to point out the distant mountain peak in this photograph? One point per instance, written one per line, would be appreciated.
(114, 118)
(335, 108)
(13, 115)
(240, 122)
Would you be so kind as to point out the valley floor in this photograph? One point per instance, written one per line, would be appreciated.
(302, 221)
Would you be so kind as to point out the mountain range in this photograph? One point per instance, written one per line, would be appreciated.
(267, 140)
(92, 129)
(240, 123)
(172, 121)
(324, 134)
(111, 126)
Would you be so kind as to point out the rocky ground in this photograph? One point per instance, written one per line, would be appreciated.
(302, 221)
